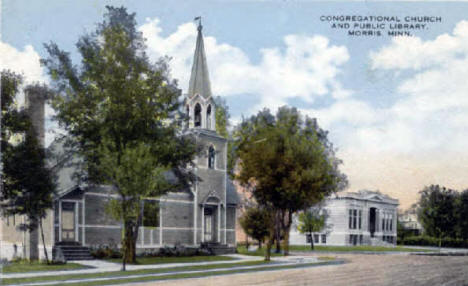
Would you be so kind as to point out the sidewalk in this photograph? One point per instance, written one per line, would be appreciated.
(100, 266)
(107, 267)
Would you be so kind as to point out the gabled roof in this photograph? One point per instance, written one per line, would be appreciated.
(199, 79)
(366, 195)
(232, 198)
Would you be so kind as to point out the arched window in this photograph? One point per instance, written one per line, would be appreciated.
(208, 117)
(197, 118)
(211, 157)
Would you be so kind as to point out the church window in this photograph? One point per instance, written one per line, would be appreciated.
(208, 117)
(150, 213)
(211, 157)
(197, 117)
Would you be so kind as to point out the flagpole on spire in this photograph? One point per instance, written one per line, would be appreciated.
(199, 22)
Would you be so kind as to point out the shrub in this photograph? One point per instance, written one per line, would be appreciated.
(105, 252)
(433, 241)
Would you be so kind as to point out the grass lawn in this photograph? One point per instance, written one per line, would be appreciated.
(259, 252)
(23, 266)
(182, 259)
(118, 279)
(116, 274)
(355, 248)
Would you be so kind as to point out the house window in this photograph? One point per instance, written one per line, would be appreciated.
(308, 238)
(350, 222)
(316, 238)
(383, 224)
(150, 213)
(391, 224)
(197, 118)
(360, 239)
(211, 157)
(360, 219)
(208, 117)
(324, 238)
(354, 219)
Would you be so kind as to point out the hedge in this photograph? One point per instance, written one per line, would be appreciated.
(433, 241)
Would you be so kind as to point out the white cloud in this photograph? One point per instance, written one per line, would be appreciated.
(430, 113)
(305, 68)
(26, 62)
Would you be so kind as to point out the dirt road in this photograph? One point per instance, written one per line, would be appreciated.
(362, 269)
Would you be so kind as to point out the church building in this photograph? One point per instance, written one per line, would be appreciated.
(203, 214)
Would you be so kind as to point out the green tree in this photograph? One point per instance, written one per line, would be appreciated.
(461, 214)
(124, 113)
(222, 117)
(222, 127)
(436, 211)
(287, 162)
(28, 185)
(256, 223)
(310, 221)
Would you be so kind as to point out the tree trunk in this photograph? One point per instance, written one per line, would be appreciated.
(311, 241)
(278, 232)
(124, 247)
(43, 241)
(130, 243)
(286, 226)
(286, 241)
(271, 238)
(260, 244)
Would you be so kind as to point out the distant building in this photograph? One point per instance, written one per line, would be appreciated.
(409, 222)
(361, 218)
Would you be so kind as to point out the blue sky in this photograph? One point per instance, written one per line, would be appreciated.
(395, 108)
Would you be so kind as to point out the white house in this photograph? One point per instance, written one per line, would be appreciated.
(361, 218)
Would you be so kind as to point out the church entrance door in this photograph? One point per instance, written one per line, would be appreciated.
(68, 221)
(372, 221)
(208, 229)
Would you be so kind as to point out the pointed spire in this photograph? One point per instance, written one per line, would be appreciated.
(199, 79)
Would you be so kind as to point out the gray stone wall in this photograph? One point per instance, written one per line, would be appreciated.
(230, 217)
(211, 180)
(102, 236)
(96, 211)
(174, 236)
(230, 237)
(176, 214)
(219, 145)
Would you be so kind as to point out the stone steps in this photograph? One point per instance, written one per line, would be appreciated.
(72, 252)
(218, 249)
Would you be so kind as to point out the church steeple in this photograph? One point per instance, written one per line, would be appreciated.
(200, 106)
(199, 79)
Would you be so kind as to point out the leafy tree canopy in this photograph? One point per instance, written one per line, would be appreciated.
(118, 95)
(287, 160)
(123, 114)
(256, 223)
(436, 211)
